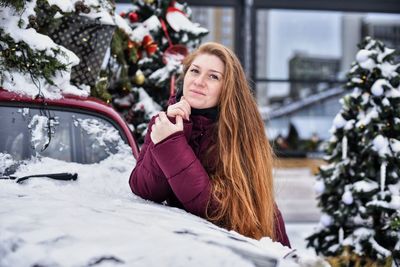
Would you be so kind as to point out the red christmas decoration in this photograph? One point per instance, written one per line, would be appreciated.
(149, 45)
(133, 17)
(122, 14)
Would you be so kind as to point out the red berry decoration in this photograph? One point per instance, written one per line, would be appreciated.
(133, 17)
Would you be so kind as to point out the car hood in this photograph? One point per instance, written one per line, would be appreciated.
(97, 221)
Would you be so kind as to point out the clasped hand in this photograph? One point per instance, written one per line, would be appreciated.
(163, 127)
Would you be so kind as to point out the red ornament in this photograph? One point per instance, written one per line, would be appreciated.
(149, 45)
(133, 17)
(122, 14)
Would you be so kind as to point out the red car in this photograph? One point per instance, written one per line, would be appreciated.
(74, 129)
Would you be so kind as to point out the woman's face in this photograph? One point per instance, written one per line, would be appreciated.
(202, 83)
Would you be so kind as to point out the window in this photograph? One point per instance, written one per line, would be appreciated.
(64, 135)
(302, 58)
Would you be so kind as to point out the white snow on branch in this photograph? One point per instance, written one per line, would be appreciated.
(395, 145)
(173, 64)
(394, 203)
(179, 22)
(339, 121)
(388, 69)
(22, 83)
(377, 88)
(393, 93)
(147, 103)
(381, 145)
(387, 51)
(383, 251)
(365, 186)
(99, 10)
(364, 59)
(143, 29)
(366, 119)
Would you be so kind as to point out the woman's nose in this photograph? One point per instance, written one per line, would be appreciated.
(200, 80)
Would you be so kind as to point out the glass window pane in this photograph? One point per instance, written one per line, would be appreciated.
(63, 135)
(302, 58)
(281, 34)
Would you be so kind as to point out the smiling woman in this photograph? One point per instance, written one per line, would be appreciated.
(209, 154)
(203, 82)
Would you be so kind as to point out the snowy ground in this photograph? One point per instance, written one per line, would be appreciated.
(297, 233)
(297, 201)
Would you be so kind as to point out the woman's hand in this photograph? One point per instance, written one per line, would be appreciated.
(162, 127)
(182, 108)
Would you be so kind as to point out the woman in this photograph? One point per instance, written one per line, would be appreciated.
(209, 154)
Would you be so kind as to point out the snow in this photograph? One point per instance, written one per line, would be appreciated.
(6, 161)
(97, 216)
(99, 9)
(383, 176)
(381, 145)
(145, 101)
(103, 133)
(347, 198)
(387, 51)
(143, 29)
(365, 119)
(363, 58)
(349, 125)
(394, 203)
(344, 147)
(319, 187)
(395, 145)
(379, 248)
(385, 102)
(179, 22)
(377, 87)
(22, 82)
(38, 126)
(173, 63)
(326, 220)
(388, 69)
(393, 93)
(363, 55)
(123, 25)
(365, 186)
(339, 121)
(357, 80)
(360, 234)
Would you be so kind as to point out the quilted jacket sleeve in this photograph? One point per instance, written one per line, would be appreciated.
(147, 180)
(185, 173)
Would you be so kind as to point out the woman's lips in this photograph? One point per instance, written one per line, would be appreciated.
(197, 92)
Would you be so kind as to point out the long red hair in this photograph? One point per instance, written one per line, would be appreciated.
(242, 183)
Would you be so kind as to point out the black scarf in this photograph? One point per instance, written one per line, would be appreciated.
(210, 113)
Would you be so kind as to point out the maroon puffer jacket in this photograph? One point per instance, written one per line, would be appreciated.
(171, 170)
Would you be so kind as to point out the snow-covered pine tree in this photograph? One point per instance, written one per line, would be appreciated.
(153, 38)
(31, 60)
(359, 190)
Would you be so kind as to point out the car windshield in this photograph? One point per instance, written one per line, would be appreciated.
(61, 134)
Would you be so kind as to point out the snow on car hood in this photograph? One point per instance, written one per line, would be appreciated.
(97, 221)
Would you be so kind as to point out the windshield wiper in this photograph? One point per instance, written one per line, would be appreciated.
(63, 176)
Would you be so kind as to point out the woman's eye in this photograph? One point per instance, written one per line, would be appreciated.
(214, 77)
(194, 70)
